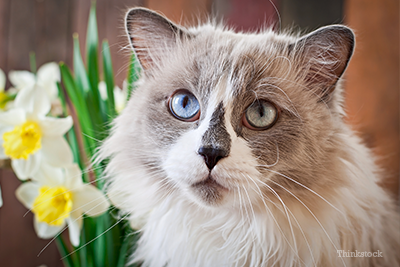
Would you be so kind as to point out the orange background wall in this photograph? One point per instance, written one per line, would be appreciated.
(373, 81)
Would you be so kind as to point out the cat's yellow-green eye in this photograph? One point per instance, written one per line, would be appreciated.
(260, 115)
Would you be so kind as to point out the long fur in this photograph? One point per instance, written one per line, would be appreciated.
(295, 195)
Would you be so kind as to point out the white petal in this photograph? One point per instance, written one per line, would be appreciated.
(9, 105)
(49, 72)
(21, 79)
(52, 91)
(120, 99)
(103, 90)
(56, 151)
(26, 193)
(91, 200)
(13, 117)
(74, 227)
(49, 175)
(55, 126)
(33, 100)
(45, 231)
(118, 198)
(12, 91)
(2, 82)
(47, 76)
(25, 169)
(73, 177)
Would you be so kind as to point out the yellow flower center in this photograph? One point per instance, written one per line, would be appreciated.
(53, 205)
(23, 140)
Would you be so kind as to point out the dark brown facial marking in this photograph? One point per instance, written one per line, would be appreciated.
(216, 142)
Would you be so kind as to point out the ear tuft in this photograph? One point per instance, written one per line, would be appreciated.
(325, 54)
(151, 35)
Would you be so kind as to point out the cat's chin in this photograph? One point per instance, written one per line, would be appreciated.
(209, 192)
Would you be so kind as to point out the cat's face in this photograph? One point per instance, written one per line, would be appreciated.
(225, 119)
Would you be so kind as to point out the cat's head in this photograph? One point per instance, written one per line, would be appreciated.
(221, 119)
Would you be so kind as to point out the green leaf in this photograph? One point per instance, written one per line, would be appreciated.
(81, 108)
(104, 242)
(85, 88)
(109, 238)
(133, 74)
(62, 248)
(63, 100)
(100, 242)
(109, 79)
(71, 136)
(130, 239)
(92, 44)
(85, 249)
(82, 80)
(124, 250)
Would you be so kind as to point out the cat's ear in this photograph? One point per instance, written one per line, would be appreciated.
(151, 35)
(324, 55)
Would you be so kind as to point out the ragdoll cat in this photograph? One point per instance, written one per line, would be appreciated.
(233, 151)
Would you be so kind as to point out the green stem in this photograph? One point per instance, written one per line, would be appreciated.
(62, 248)
(124, 250)
(32, 61)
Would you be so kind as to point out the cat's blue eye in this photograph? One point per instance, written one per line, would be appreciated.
(184, 106)
(260, 115)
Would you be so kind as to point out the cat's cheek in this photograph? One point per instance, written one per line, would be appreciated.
(182, 163)
(239, 173)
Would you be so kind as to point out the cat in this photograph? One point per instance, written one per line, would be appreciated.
(234, 151)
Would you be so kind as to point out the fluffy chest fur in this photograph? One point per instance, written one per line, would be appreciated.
(233, 152)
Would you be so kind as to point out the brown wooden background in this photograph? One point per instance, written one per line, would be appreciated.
(46, 27)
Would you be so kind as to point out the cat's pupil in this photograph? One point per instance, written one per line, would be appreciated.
(261, 110)
(185, 101)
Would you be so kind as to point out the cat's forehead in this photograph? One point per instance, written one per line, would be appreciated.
(221, 48)
(228, 66)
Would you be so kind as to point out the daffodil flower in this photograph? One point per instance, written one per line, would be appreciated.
(30, 138)
(58, 197)
(5, 97)
(120, 95)
(47, 77)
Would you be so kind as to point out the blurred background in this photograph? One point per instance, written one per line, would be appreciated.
(372, 80)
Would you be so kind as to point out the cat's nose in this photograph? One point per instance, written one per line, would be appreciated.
(212, 155)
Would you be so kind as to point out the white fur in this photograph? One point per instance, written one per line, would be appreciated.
(253, 225)
(251, 230)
